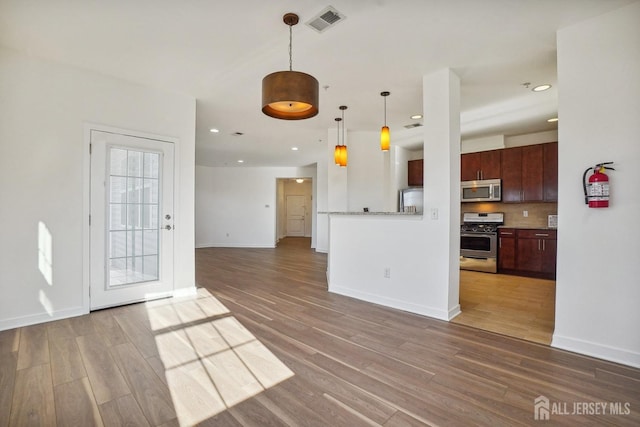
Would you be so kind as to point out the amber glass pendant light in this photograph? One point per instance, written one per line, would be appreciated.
(385, 137)
(343, 147)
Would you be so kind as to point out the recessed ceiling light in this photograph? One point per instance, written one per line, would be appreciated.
(541, 88)
(294, 148)
(555, 119)
(416, 116)
(214, 130)
(299, 180)
(240, 161)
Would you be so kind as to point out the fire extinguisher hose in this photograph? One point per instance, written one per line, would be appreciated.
(584, 185)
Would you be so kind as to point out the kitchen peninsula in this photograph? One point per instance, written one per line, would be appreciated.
(388, 258)
(354, 213)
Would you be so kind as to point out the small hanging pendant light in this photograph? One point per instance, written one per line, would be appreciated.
(290, 95)
(343, 147)
(385, 137)
(336, 152)
(343, 156)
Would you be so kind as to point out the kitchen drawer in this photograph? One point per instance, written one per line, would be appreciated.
(506, 232)
(536, 234)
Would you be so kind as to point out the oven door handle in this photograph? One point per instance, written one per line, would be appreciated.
(478, 235)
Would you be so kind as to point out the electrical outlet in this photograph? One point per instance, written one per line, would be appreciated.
(525, 214)
(387, 273)
(434, 213)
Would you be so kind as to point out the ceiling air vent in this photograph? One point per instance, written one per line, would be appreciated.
(412, 125)
(325, 19)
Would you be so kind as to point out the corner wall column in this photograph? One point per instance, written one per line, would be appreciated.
(441, 109)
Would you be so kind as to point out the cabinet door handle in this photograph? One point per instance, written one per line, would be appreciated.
(544, 245)
(506, 233)
(500, 243)
(538, 244)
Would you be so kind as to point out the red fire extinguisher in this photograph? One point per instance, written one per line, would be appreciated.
(596, 189)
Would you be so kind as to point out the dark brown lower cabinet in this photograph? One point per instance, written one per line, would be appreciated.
(531, 252)
(506, 249)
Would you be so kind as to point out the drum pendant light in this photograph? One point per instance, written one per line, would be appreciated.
(336, 152)
(343, 147)
(290, 95)
(385, 137)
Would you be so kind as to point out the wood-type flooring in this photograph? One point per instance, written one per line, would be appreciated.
(265, 344)
(520, 307)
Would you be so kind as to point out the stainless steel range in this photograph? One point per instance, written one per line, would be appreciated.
(479, 241)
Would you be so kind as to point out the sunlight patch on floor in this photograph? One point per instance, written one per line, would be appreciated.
(211, 361)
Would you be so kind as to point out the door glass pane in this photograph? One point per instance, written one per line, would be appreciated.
(151, 165)
(118, 162)
(134, 229)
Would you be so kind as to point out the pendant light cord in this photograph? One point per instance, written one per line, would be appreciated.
(290, 48)
(385, 110)
(343, 126)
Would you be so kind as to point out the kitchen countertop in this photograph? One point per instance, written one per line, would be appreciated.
(374, 213)
(527, 227)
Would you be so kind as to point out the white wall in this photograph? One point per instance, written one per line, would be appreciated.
(598, 276)
(486, 143)
(421, 253)
(236, 206)
(531, 138)
(43, 109)
(366, 173)
(320, 224)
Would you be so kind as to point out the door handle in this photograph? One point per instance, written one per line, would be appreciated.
(168, 227)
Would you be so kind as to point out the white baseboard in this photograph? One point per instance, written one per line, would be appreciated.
(454, 312)
(391, 302)
(234, 245)
(33, 319)
(612, 354)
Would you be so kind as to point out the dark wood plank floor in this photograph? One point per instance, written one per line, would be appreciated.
(264, 343)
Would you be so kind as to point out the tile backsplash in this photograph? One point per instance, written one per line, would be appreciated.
(513, 212)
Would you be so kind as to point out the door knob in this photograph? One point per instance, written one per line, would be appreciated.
(167, 216)
(167, 227)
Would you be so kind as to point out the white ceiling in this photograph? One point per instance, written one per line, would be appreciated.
(218, 51)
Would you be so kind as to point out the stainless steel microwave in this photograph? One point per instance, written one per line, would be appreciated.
(486, 190)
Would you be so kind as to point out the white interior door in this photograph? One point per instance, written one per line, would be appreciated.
(131, 227)
(296, 211)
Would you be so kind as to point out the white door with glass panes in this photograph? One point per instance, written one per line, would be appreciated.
(131, 226)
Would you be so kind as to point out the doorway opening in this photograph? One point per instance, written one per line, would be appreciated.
(294, 208)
